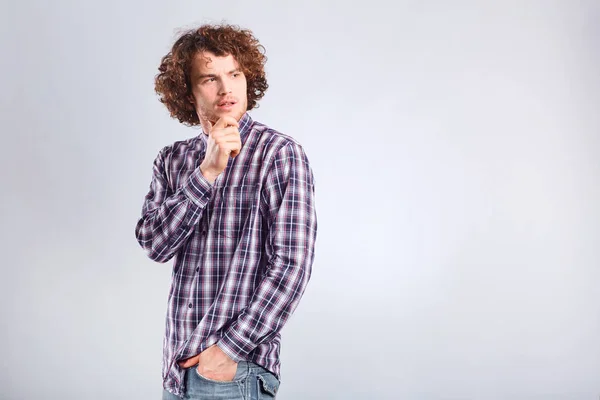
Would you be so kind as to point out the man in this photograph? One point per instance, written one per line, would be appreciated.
(234, 208)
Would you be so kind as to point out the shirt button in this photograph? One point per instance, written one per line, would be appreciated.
(190, 305)
(198, 269)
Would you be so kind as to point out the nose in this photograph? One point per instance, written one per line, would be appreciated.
(225, 88)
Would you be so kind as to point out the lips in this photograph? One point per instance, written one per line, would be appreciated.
(227, 103)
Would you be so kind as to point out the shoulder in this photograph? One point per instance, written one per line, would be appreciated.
(182, 148)
(282, 155)
(274, 142)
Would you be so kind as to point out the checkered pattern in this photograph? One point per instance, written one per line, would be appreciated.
(242, 248)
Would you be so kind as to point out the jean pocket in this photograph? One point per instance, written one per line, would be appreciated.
(268, 385)
(199, 375)
(201, 387)
(240, 373)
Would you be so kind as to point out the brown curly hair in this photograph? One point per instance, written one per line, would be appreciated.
(173, 85)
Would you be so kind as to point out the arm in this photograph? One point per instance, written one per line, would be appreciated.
(168, 218)
(292, 229)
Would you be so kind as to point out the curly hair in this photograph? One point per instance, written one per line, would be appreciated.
(173, 84)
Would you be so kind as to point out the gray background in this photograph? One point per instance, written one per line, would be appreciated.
(455, 147)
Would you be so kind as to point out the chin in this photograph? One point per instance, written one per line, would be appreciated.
(237, 114)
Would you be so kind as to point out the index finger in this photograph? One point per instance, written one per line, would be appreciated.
(224, 122)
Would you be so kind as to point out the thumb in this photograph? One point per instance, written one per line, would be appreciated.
(209, 127)
(190, 362)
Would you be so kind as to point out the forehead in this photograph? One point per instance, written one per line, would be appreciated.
(207, 63)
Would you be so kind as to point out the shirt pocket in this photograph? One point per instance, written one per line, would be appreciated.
(234, 209)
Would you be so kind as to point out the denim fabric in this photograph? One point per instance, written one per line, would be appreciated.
(251, 382)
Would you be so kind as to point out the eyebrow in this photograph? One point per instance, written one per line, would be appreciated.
(202, 76)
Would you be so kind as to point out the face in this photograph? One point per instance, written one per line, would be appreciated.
(218, 88)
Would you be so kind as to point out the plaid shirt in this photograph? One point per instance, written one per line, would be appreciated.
(242, 248)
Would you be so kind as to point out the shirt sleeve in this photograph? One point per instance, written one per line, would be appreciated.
(168, 218)
(292, 227)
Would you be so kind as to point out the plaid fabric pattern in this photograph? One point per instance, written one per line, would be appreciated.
(242, 248)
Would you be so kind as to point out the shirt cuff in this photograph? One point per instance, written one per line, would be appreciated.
(197, 188)
(235, 346)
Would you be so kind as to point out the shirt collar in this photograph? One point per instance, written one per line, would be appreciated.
(245, 126)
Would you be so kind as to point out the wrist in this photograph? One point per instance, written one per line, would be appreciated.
(209, 174)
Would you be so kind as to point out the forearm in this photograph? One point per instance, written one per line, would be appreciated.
(273, 303)
(167, 223)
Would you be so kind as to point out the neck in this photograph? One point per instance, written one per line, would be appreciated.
(206, 126)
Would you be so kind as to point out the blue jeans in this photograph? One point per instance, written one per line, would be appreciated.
(251, 382)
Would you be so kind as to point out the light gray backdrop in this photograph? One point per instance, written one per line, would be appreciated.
(455, 146)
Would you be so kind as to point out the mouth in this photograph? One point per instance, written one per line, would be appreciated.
(227, 104)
